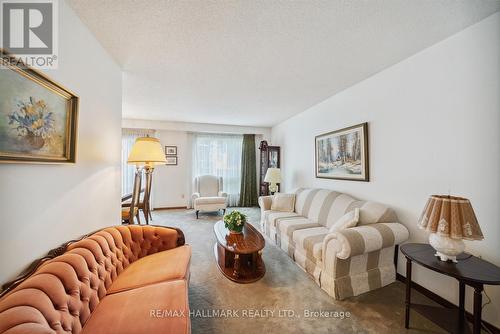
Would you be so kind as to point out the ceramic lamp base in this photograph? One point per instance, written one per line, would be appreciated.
(446, 248)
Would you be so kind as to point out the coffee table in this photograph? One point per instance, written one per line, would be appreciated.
(239, 256)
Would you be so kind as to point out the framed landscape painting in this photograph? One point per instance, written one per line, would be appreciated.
(343, 154)
(38, 118)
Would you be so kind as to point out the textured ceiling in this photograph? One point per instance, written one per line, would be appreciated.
(260, 62)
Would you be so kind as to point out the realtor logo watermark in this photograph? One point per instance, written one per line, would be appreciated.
(29, 32)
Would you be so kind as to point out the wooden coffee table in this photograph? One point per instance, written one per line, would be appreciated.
(239, 256)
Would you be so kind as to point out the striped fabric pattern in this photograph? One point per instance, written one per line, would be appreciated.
(305, 242)
(286, 229)
(344, 278)
(360, 259)
(270, 218)
(327, 206)
(344, 263)
(364, 239)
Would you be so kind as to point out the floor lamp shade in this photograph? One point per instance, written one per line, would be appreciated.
(147, 151)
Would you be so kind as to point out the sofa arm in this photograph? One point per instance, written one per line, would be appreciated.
(195, 196)
(364, 239)
(265, 202)
(222, 194)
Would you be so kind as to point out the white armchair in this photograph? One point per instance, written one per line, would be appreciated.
(208, 194)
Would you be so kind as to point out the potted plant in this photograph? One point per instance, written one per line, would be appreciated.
(234, 222)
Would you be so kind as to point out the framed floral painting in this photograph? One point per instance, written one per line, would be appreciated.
(38, 117)
(343, 154)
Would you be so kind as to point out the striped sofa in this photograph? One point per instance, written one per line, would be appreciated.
(345, 263)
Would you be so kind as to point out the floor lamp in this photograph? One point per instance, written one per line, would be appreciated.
(145, 154)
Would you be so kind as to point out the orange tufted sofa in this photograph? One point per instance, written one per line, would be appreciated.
(126, 279)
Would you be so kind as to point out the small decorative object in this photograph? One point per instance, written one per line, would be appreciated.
(171, 161)
(269, 158)
(274, 157)
(170, 150)
(234, 222)
(38, 118)
(450, 220)
(343, 154)
(273, 177)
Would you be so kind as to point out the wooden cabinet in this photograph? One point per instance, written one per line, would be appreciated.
(269, 157)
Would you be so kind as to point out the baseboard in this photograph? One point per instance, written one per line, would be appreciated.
(445, 303)
(170, 208)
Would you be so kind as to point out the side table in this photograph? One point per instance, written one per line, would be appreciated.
(469, 270)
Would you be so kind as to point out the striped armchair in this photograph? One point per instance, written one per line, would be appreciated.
(344, 263)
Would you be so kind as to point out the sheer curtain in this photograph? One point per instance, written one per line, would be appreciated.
(219, 155)
(128, 140)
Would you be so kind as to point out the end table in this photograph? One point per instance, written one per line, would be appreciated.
(469, 270)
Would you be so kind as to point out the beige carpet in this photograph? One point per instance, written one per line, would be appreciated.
(278, 303)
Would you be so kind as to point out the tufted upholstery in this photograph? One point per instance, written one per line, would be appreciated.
(61, 295)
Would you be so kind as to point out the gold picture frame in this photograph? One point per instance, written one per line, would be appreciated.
(38, 117)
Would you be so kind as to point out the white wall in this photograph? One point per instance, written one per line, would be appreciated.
(172, 184)
(45, 205)
(194, 127)
(434, 128)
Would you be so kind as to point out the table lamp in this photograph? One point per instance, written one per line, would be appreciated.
(273, 177)
(450, 220)
(145, 154)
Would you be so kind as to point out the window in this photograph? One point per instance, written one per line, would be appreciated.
(128, 140)
(219, 155)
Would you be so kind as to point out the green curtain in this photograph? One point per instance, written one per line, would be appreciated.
(248, 191)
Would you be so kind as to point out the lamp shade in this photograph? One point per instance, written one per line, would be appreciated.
(451, 217)
(273, 175)
(146, 151)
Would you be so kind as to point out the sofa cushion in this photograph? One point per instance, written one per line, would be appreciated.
(308, 239)
(286, 226)
(210, 200)
(340, 206)
(350, 219)
(271, 216)
(283, 202)
(160, 267)
(322, 205)
(373, 212)
(156, 308)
